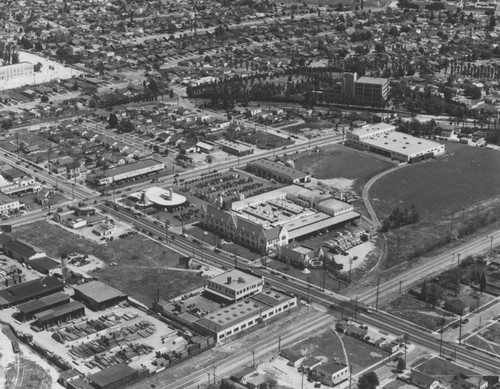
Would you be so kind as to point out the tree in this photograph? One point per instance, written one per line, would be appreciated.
(401, 365)
(368, 381)
(37, 67)
(45, 99)
(483, 283)
(113, 121)
(126, 126)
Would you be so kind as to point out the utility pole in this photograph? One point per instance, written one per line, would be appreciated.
(253, 359)
(460, 331)
(324, 273)
(378, 289)
(279, 344)
(166, 233)
(400, 284)
(441, 342)
(356, 310)
(458, 259)
(214, 374)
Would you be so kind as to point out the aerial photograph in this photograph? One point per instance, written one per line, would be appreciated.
(259, 194)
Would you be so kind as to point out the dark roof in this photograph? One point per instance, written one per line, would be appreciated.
(29, 290)
(46, 301)
(44, 263)
(98, 291)
(57, 312)
(79, 383)
(112, 374)
(278, 168)
(21, 248)
(4, 238)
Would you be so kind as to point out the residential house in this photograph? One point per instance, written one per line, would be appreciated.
(423, 381)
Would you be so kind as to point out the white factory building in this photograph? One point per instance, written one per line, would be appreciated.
(383, 139)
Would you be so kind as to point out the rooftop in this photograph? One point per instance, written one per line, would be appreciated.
(278, 168)
(314, 223)
(98, 291)
(235, 279)
(56, 312)
(131, 167)
(29, 290)
(112, 374)
(401, 143)
(372, 80)
(40, 303)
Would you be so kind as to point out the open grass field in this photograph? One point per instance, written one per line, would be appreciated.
(482, 343)
(327, 344)
(338, 162)
(442, 367)
(142, 264)
(443, 186)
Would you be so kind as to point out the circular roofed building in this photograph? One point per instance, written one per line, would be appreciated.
(163, 198)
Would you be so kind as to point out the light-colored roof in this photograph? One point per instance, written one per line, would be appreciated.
(305, 228)
(278, 168)
(401, 143)
(98, 291)
(164, 197)
(372, 80)
(239, 280)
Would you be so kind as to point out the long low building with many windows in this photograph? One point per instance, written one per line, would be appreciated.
(237, 317)
(125, 172)
(383, 139)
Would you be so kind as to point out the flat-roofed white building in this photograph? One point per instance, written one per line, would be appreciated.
(9, 205)
(22, 69)
(235, 285)
(232, 319)
(383, 139)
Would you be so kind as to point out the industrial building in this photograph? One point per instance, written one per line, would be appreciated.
(97, 295)
(277, 171)
(18, 70)
(128, 171)
(21, 293)
(59, 314)
(27, 310)
(383, 139)
(270, 220)
(21, 251)
(9, 205)
(235, 148)
(232, 319)
(114, 377)
(235, 285)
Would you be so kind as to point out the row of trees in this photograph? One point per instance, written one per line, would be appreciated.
(399, 218)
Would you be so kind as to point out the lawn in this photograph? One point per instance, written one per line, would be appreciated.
(338, 162)
(482, 343)
(327, 344)
(416, 311)
(441, 367)
(142, 262)
(443, 186)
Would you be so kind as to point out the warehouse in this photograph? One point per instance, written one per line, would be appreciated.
(235, 148)
(21, 293)
(59, 314)
(129, 171)
(383, 139)
(98, 296)
(44, 264)
(277, 171)
(114, 377)
(29, 309)
(244, 314)
(21, 251)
